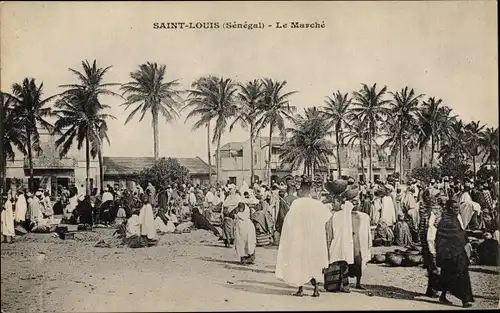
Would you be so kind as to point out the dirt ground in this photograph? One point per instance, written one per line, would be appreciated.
(191, 272)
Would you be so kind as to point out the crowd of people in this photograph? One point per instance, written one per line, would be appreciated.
(324, 230)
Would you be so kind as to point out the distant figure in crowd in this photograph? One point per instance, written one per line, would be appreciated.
(302, 252)
(21, 209)
(263, 225)
(402, 233)
(147, 219)
(201, 222)
(452, 258)
(229, 205)
(244, 235)
(7, 218)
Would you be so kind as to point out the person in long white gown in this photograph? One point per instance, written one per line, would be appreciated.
(147, 220)
(7, 219)
(388, 210)
(245, 239)
(302, 252)
(21, 208)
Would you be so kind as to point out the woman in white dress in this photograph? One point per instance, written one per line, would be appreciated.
(245, 239)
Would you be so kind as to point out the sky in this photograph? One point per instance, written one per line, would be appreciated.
(444, 49)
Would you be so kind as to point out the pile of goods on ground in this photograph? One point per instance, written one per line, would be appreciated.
(411, 256)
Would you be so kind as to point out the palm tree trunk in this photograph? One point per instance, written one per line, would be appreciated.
(269, 154)
(362, 152)
(218, 157)
(155, 136)
(87, 165)
(312, 170)
(422, 156)
(30, 162)
(4, 174)
(370, 166)
(209, 155)
(401, 159)
(339, 167)
(251, 156)
(433, 144)
(101, 167)
(474, 166)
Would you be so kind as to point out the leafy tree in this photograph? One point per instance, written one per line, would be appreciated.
(485, 173)
(213, 99)
(275, 110)
(164, 171)
(149, 92)
(336, 109)
(452, 167)
(426, 174)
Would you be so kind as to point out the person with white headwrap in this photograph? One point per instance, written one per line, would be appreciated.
(147, 219)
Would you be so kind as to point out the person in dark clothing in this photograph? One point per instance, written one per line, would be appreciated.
(201, 222)
(452, 258)
(58, 207)
(85, 211)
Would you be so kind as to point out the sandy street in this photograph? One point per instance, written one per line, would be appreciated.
(189, 272)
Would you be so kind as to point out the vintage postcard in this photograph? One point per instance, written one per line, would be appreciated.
(249, 155)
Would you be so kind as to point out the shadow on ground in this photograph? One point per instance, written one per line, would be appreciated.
(484, 270)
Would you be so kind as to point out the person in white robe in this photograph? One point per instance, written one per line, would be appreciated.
(133, 225)
(244, 187)
(36, 216)
(7, 219)
(245, 239)
(21, 208)
(230, 204)
(147, 220)
(192, 197)
(302, 252)
(388, 210)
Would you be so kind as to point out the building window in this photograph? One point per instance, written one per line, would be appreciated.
(255, 158)
(232, 180)
(239, 153)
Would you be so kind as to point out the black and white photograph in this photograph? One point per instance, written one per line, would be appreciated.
(178, 156)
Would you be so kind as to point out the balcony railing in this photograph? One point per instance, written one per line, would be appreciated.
(52, 163)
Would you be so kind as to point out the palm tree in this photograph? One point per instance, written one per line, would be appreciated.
(435, 120)
(150, 93)
(13, 134)
(97, 148)
(31, 112)
(213, 99)
(79, 117)
(454, 147)
(337, 111)
(308, 144)
(490, 145)
(250, 101)
(475, 136)
(357, 134)
(274, 110)
(91, 79)
(370, 108)
(404, 118)
(197, 100)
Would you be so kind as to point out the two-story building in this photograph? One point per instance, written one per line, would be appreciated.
(235, 162)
